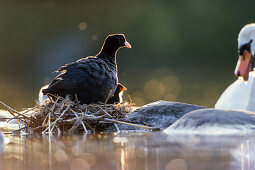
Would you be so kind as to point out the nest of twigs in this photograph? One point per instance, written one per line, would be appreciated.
(64, 116)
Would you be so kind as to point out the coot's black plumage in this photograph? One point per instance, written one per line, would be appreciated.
(91, 79)
(117, 97)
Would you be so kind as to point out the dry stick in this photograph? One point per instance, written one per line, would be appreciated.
(101, 109)
(67, 108)
(105, 111)
(132, 124)
(76, 121)
(93, 129)
(45, 119)
(59, 131)
(14, 116)
(33, 115)
(13, 110)
(130, 100)
(54, 96)
(49, 131)
(85, 112)
(48, 109)
(53, 126)
(11, 113)
(48, 115)
(55, 103)
(75, 125)
(98, 113)
(63, 105)
(20, 129)
(116, 126)
(38, 127)
(4, 118)
(88, 117)
(51, 110)
(28, 110)
(8, 107)
(70, 120)
(79, 119)
(84, 127)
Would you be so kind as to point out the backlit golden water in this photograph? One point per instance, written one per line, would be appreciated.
(152, 151)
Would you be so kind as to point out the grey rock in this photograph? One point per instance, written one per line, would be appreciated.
(215, 120)
(159, 114)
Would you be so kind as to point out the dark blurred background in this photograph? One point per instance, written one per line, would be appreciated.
(182, 50)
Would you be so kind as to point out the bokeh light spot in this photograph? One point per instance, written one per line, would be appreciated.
(153, 89)
(80, 164)
(60, 155)
(90, 158)
(120, 140)
(160, 73)
(169, 97)
(51, 3)
(139, 101)
(83, 26)
(171, 85)
(138, 98)
(76, 150)
(94, 37)
(177, 164)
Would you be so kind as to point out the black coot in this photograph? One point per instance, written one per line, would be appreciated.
(91, 79)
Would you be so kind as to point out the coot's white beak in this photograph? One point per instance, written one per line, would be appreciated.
(243, 66)
(127, 45)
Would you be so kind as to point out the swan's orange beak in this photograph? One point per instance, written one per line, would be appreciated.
(243, 66)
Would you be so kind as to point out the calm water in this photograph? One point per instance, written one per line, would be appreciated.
(153, 151)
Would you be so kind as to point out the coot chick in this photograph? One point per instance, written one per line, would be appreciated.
(91, 79)
(117, 97)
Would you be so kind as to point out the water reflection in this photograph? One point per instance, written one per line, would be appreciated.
(245, 153)
(127, 152)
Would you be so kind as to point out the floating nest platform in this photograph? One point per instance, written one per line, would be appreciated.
(65, 116)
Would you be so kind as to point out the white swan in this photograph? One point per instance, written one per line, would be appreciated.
(241, 94)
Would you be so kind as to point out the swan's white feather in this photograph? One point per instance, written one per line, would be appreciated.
(239, 95)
